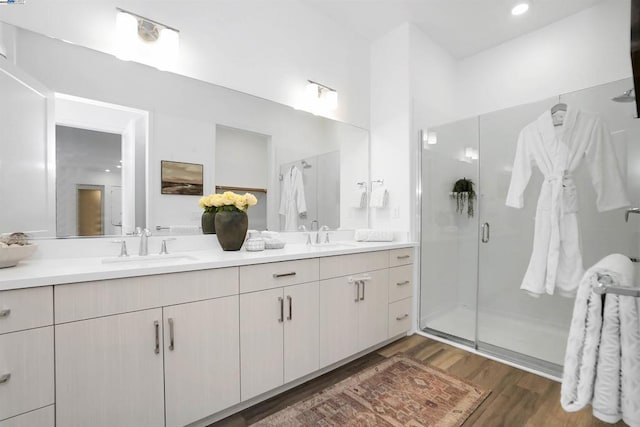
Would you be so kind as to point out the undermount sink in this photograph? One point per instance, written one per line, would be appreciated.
(333, 245)
(147, 259)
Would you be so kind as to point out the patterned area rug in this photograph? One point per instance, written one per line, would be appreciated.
(397, 392)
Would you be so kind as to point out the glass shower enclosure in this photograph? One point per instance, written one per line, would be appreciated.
(473, 262)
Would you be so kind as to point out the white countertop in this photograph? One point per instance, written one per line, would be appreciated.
(54, 271)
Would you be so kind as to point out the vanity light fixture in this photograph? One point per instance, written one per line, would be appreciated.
(321, 98)
(520, 8)
(142, 39)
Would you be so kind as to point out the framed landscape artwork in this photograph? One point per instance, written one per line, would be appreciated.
(181, 178)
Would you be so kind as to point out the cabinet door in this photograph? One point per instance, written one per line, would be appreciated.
(202, 359)
(338, 320)
(261, 341)
(301, 330)
(26, 366)
(373, 310)
(109, 371)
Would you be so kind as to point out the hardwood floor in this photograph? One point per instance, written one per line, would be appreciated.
(517, 398)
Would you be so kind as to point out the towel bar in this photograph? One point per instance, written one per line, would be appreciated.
(604, 280)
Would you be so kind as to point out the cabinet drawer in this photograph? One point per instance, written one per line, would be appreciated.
(400, 282)
(79, 301)
(399, 317)
(343, 265)
(44, 417)
(26, 309)
(26, 371)
(276, 274)
(401, 256)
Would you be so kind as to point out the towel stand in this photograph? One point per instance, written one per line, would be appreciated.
(604, 280)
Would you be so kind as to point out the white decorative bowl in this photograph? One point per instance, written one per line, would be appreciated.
(10, 256)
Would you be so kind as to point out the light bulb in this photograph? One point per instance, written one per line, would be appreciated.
(519, 9)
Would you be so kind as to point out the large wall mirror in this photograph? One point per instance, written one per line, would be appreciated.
(84, 135)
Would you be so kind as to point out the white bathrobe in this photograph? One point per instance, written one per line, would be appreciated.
(292, 201)
(556, 262)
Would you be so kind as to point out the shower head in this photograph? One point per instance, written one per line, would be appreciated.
(625, 97)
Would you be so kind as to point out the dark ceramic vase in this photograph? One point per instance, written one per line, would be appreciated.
(231, 229)
(209, 222)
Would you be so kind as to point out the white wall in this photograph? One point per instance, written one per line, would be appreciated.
(390, 126)
(268, 49)
(580, 51)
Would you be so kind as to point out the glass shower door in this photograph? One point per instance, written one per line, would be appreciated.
(449, 234)
(512, 323)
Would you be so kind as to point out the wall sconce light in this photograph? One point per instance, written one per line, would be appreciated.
(320, 98)
(429, 138)
(144, 40)
(471, 153)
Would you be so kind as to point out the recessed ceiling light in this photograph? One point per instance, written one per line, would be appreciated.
(119, 166)
(519, 9)
(107, 170)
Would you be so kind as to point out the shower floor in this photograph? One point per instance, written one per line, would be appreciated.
(530, 338)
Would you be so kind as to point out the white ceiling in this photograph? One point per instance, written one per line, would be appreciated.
(463, 27)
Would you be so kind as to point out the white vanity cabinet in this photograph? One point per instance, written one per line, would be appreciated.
(129, 368)
(26, 357)
(278, 326)
(109, 371)
(353, 304)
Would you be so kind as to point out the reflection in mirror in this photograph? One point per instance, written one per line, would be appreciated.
(88, 182)
(160, 116)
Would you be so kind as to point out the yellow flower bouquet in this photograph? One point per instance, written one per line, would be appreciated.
(227, 201)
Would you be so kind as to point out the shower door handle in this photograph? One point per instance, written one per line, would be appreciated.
(486, 232)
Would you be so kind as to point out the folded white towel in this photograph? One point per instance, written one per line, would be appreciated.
(379, 197)
(359, 198)
(369, 235)
(602, 361)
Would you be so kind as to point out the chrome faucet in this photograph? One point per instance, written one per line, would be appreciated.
(144, 240)
(326, 239)
(304, 229)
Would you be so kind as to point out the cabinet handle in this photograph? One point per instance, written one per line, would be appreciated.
(403, 256)
(5, 378)
(171, 338)
(278, 275)
(5, 313)
(404, 316)
(290, 307)
(364, 285)
(281, 301)
(406, 282)
(156, 325)
(357, 282)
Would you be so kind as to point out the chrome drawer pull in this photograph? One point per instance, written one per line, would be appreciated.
(404, 316)
(281, 301)
(278, 275)
(357, 282)
(364, 284)
(404, 256)
(290, 307)
(5, 313)
(157, 328)
(406, 282)
(5, 378)
(171, 337)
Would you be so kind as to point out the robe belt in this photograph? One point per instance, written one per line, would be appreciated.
(556, 212)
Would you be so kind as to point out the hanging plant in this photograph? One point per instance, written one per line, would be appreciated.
(465, 195)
